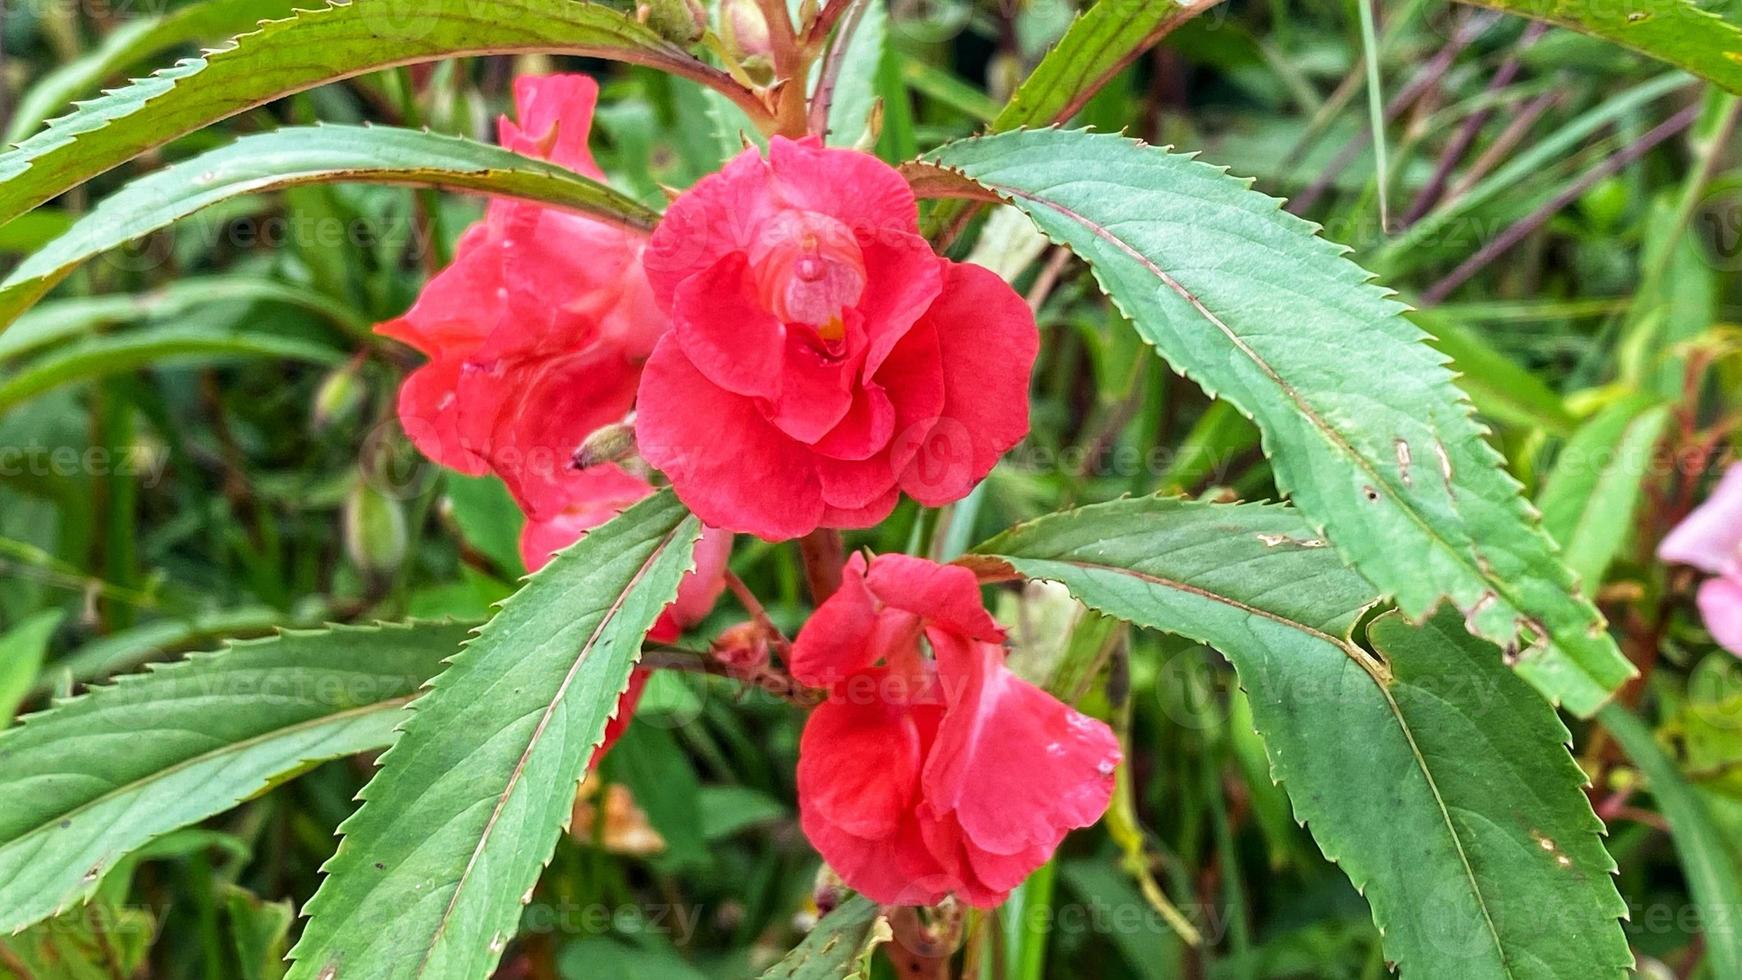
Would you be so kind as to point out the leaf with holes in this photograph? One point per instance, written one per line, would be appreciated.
(96, 777)
(432, 870)
(295, 156)
(335, 42)
(1361, 420)
(1433, 775)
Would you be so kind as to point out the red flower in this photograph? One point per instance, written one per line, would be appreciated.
(537, 331)
(595, 496)
(921, 777)
(822, 358)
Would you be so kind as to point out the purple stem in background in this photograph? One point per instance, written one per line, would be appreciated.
(1425, 78)
(1536, 219)
(1460, 145)
(1509, 137)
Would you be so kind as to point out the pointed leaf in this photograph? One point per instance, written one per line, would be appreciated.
(1437, 779)
(96, 777)
(133, 42)
(1676, 31)
(1361, 420)
(172, 344)
(432, 871)
(334, 42)
(837, 945)
(295, 156)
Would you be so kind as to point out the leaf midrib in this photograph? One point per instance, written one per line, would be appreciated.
(230, 748)
(533, 742)
(1331, 435)
(1373, 671)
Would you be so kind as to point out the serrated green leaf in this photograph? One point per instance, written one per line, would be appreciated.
(1590, 497)
(1434, 776)
(134, 42)
(430, 875)
(126, 649)
(1099, 44)
(170, 345)
(296, 156)
(1675, 31)
(94, 778)
(1361, 420)
(837, 945)
(337, 41)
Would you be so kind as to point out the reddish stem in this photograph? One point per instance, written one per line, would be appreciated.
(823, 556)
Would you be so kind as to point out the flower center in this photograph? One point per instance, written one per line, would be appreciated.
(809, 270)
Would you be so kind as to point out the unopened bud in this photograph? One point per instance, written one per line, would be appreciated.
(743, 648)
(873, 128)
(611, 444)
(375, 533)
(683, 21)
(338, 398)
(744, 31)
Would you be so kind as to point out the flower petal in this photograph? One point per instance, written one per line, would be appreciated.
(859, 763)
(725, 333)
(948, 595)
(1710, 538)
(430, 420)
(906, 277)
(726, 462)
(718, 215)
(528, 416)
(459, 305)
(555, 120)
(1720, 602)
(834, 642)
(856, 189)
(1017, 767)
(987, 344)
